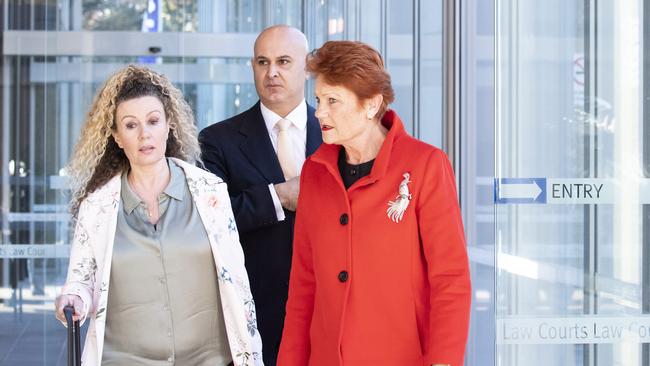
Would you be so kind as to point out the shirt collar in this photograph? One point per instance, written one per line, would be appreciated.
(175, 188)
(129, 198)
(298, 116)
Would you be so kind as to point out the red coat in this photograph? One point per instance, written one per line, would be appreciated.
(365, 290)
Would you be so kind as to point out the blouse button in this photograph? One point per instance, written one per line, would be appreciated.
(344, 219)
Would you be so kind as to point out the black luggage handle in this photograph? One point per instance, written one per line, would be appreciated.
(74, 342)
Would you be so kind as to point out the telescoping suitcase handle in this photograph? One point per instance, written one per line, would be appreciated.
(74, 342)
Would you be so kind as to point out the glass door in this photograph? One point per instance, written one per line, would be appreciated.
(570, 186)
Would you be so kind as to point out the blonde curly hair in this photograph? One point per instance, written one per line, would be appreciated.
(97, 158)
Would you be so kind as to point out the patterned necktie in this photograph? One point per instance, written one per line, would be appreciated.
(285, 153)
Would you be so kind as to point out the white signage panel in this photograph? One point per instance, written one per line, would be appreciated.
(568, 191)
(34, 251)
(575, 330)
(580, 191)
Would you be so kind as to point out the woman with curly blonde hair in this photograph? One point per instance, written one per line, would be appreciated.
(155, 262)
(97, 157)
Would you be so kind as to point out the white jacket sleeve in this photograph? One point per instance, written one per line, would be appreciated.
(83, 264)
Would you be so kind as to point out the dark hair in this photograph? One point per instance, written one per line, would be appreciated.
(136, 87)
(354, 65)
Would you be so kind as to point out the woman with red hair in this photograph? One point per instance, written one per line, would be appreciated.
(380, 274)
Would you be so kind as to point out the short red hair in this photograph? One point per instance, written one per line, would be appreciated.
(355, 66)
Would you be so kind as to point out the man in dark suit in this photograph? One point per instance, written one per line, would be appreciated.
(259, 153)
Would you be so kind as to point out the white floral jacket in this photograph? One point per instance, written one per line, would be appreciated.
(92, 252)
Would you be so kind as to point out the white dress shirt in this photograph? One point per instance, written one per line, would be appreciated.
(298, 136)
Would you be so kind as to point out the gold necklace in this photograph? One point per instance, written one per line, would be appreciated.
(137, 191)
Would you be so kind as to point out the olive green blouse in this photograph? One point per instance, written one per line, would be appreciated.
(164, 306)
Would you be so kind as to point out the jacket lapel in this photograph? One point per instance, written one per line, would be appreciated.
(106, 223)
(210, 196)
(314, 136)
(257, 146)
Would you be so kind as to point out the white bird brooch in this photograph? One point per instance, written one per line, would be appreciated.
(396, 208)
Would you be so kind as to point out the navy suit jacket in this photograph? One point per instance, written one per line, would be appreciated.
(239, 150)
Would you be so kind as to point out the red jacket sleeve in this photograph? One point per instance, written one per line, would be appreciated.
(295, 347)
(443, 243)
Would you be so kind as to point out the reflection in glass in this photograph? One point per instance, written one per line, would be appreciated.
(567, 107)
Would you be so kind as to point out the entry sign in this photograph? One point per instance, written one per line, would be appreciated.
(581, 191)
(555, 190)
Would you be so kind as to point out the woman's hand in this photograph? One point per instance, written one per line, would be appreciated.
(73, 300)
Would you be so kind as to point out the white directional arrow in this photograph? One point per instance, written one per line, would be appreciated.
(571, 191)
(519, 190)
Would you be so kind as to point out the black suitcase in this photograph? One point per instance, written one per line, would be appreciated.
(74, 341)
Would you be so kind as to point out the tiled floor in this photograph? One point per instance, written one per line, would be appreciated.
(33, 338)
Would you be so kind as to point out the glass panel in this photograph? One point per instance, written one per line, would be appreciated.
(389, 26)
(569, 184)
(430, 72)
(476, 177)
(189, 16)
(153, 15)
(399, 58)
(123, 15)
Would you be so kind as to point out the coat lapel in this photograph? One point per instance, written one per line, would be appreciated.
(257, 146)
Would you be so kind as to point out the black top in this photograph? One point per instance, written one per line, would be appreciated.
(351, 173)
